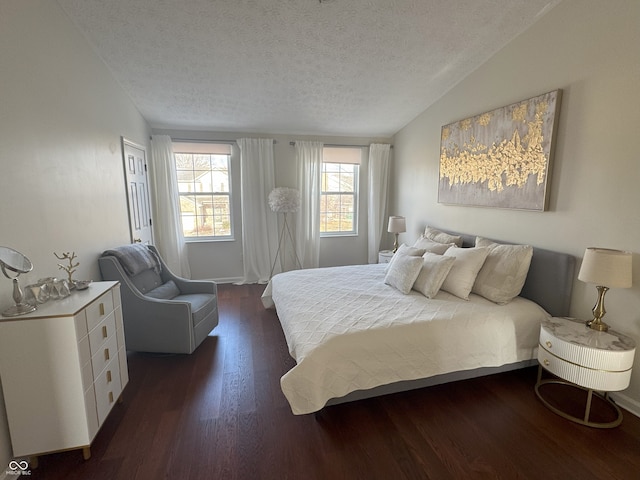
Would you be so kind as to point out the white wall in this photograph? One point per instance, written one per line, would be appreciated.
(222, 260)
(61, 175)
(591, 50)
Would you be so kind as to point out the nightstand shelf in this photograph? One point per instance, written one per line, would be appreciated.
(586, 359)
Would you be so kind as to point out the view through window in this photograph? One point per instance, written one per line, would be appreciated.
(339, 191)
(204, 187)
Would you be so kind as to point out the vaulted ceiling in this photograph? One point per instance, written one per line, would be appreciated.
(320, 67)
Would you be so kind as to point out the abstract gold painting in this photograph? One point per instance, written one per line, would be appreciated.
(500, 158)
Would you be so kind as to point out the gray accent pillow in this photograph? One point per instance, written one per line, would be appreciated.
(166, 291)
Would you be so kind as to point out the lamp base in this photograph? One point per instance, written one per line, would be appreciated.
(597, 324)
(599, 311)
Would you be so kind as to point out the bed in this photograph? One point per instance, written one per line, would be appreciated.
(353, 336)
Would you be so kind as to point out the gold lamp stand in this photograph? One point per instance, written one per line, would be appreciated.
(598, 312)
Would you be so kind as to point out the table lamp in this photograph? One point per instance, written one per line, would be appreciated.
(606, 269)
(397, 225)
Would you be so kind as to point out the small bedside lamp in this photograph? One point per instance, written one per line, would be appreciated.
(397, 225)
(606, 269)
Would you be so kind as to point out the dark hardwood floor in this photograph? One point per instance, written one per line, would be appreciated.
(219, 414)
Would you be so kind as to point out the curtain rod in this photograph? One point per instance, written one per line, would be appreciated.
(190, 140)
(341, 146)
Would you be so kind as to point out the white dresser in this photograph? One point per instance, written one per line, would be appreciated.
(63, 367)
(593, 360)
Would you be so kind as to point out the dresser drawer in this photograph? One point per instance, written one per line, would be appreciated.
(108, 388)
(99, 309)
(595, 379)
(104, 355)
(101, 333)
(589, 357)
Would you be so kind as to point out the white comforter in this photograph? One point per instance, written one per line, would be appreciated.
(349, 331)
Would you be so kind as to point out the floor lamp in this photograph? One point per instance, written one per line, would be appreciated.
(284, 200)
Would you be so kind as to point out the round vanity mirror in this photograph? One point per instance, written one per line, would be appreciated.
(15, 262)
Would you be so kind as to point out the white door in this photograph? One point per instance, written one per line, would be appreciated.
(137, 181)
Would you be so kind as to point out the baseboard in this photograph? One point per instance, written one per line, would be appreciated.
(227, 280)
(629, 404)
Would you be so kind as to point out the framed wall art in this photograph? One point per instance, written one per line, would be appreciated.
(500, 158)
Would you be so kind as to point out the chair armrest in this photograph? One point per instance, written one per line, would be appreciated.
(196, 286)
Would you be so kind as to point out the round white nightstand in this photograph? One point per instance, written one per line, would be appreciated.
(587, 359)
(385, 256)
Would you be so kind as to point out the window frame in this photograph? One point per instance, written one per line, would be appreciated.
(355, 193)
(207, 148)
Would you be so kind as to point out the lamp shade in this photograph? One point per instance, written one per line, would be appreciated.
(606, 267)
(397, 224)
(284, 200)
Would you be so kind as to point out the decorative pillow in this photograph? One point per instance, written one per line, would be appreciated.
(468, 262)
(435, 269)
(442, 237)
(166, 291)
(406, 251)
(403, 272)
(504, 272)
(431, 245)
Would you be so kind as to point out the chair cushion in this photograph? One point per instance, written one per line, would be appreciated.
(201, 304)
(146, 281)
(166, 291)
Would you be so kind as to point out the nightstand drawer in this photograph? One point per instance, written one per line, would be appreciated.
(594, 379)
(385, 256)
(589, 356)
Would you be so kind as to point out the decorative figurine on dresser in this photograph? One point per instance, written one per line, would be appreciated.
(63, 367)
(589, 355)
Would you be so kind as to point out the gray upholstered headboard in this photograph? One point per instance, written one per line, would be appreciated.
(550, 278)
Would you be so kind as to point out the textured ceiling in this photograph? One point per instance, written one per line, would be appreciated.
(330, 67)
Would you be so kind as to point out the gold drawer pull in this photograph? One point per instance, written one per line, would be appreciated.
(108, 375)
(101, 308)
(546, 362)
(548, 344)
(110, 397)
(104, 331)
(106, 354)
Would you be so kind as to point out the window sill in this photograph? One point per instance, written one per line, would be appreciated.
(209, 240)
(337, 235)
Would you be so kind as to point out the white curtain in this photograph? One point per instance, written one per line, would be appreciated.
(309, 165)
(167, 225)
(259, 223)
(378, 189)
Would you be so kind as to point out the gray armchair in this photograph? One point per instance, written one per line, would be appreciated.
(161, 311)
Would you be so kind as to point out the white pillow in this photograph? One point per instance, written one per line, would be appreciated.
(442, 237)
(405, 250)
(504, 272)
(463, 273)
(403, 272)
(434, 270)
(431, 245)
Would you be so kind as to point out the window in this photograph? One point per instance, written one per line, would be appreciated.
(204, 187)
(339, 191)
